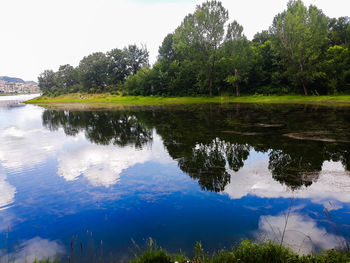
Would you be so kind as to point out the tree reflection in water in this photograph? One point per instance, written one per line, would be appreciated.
(208, 140)
(100, 127)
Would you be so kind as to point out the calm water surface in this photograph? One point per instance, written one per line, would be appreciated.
(96, 180)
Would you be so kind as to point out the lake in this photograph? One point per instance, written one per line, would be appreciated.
(87, 184)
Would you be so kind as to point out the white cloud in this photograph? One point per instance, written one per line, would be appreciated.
(35, 249)
(331, 188)
(302, 234)
(44, 34)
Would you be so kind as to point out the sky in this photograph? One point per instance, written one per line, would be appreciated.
(44, 34)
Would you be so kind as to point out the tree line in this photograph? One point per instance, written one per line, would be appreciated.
(97, 73)
(303, 52)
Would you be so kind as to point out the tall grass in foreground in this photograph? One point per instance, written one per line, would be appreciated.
(246, 252)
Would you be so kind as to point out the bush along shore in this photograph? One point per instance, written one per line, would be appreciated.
(246, 252)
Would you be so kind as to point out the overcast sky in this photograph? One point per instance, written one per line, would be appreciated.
(43, 34)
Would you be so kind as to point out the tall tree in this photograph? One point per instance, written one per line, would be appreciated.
(200, 36)
(339, 31)
(66, 77)
(94, 70)
(238, 56)
(166, 50)
(47, 81)
(137, 58)
(335, 69)
(118, 68)
(300, 34)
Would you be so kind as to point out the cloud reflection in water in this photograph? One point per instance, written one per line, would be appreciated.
(35, 249)
(7, 192)
(102, 165)
(333, 183)
(302, 234)
(24, 143)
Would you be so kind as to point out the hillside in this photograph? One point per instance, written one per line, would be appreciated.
(17, 80)
(10, 79)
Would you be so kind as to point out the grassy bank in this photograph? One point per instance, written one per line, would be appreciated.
(105, 100)
(246, 252)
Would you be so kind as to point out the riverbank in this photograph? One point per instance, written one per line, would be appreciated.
(106, 100)
(8, 94)
(15, 94)
(246, 252)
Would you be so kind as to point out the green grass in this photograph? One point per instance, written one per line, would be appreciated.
(246, 252)
(105, 100)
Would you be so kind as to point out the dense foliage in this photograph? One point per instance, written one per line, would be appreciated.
(303, 52)
(96, 73)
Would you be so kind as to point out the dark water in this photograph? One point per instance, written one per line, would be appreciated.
(95, 180)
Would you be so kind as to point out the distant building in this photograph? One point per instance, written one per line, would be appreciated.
(15, 87)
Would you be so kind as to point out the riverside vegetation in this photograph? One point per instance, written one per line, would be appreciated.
(246, 252)
(107, 100)
(303, 52)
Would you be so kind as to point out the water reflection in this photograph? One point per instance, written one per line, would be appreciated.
(102, 165)
(33, 250)
(210, 143)
(100, 127)
(178, 174)
(24, 144)
(302, 234)
(15, 101)
(208, 163)
(333, 184)
(7, 191)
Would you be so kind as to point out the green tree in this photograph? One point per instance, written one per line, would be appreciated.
(137, 58)
(163, 70)
(118, 68)
(268, 74)
(139, 83)
(166, 51)
(66, 78)
(94, 74)
(238, 56)
(47, 81)
(335, 69)
(200, 36)
(299, 36)
(261, 37)
(339, 31)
